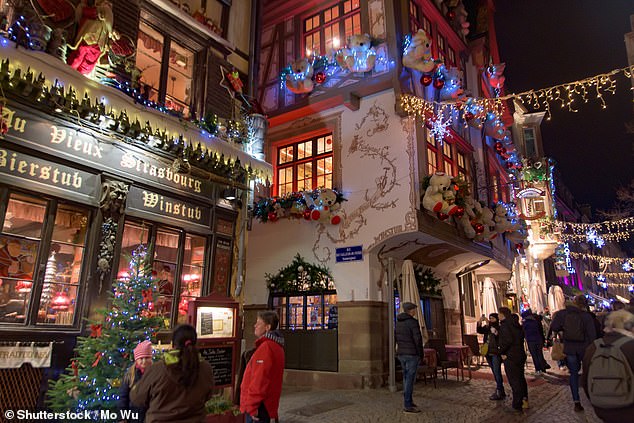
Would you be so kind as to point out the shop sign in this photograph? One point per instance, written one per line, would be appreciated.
(116, 157)
(34, 169)
(346, 254)
(14, 356)
(148, 201)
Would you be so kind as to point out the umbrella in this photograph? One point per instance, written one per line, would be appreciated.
(409, 293)
(559, 301)
(489, 303)
(536, 295)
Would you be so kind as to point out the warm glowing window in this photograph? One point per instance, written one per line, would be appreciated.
(164, 80)
(307, 311)
(42, 249)
(328, 29)
(177, 263)
(305, 165)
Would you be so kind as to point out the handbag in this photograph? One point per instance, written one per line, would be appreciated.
(557, 350)
(484, 349)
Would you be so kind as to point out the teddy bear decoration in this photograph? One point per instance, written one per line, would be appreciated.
(325, 207)
(440, 195)
(417, 54)
(494, 75)
(299, 79)
(452, 88)
(358, 56)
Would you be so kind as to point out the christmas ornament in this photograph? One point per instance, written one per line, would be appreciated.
(98, 355)
(320, 77)
(451, 15)
(307, 214)
(459, 212)
(60, 302)
(442, 216)
(439, 83)
(468, 116)
(95, 331)
(426, 80)
(272, 216)
(479, 228)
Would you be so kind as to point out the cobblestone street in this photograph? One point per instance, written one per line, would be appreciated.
(451, 401)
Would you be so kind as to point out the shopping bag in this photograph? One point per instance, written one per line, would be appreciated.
(484, 349)
(557, 350)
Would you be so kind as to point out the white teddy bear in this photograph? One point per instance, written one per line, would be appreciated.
(418, 54)
(359, 56)
(440, 194)
(502, 223)
(325, 207)
(465, 220)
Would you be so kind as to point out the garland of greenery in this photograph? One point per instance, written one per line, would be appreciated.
(300, 276)
(291, 205)
(427, 282)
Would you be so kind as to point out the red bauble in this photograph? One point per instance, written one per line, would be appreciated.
(426, 80)
(451, 15)
(307, 214)
(519, 246)
(459, 212)
(498, 146)
(468, 116)
(442, 216)
(320, 77)
(439, 83)
(272, 216)
(335, 220)
(479, 228)
(509, 165)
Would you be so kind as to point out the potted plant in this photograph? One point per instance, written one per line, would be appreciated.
(221, 410)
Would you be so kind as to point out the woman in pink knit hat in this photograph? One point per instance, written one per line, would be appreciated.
(142, 360)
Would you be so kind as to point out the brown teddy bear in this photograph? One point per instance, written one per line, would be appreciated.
(299, 80)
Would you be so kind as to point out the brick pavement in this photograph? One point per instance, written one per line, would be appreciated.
(451, 401)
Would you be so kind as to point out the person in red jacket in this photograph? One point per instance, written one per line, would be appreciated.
(261, 385)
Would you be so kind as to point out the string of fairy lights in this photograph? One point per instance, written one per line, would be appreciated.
(568, 95)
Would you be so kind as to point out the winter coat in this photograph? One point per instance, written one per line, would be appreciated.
(409, 340)
(609, 415)
(533, 330)
(490, 338)
(166, 400)
(557, 325)
(511, 341)
(262, 380)
(131, 377)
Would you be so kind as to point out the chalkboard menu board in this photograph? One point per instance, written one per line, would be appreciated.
(221, 359)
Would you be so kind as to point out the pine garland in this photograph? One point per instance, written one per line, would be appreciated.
(300, 276)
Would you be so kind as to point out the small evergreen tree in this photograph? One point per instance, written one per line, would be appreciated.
(92, 380)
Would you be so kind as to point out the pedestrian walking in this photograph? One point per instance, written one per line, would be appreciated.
(261, 385)
(176, 388)
(491, 330)
(511, 345)
(142, 361)
(608, 364)
(578, 332)
(534, 334)
(409, 345)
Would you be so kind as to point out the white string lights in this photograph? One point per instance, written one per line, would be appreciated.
(610, 230)
(613, 275)
(604, 259)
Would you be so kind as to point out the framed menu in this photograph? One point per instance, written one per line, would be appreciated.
(215, 322)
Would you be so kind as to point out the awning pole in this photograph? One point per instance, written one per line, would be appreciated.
(390, 318)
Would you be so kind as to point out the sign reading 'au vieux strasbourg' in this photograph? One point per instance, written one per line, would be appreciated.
(25, 128)
(151, 202)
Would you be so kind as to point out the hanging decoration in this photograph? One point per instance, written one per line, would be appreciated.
(627, 263)
(417, 54)
(321, 205)
(567, 95)
(439, 128)
(359, 54)
(300, 276)
(613, 275)
(615, 230)
(494, 76)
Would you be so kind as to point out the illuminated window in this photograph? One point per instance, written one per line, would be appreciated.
(328, 29)
(177, 263)
(42, 251)
(305, 165)
(308, 311)
(164, 80)
(440, 46)
(432, 153)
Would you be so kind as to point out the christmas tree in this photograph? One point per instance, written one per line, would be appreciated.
(92, 380)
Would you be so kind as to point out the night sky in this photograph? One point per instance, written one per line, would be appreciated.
(549, 42)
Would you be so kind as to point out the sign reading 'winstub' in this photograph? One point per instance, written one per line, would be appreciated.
(27, 129)
(158, 204)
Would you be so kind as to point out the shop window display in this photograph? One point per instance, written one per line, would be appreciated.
(308, 311)
(178, 264)
(25, 225)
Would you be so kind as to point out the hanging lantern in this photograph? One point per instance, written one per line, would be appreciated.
(60, 302)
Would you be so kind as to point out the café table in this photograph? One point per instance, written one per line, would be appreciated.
(461, 354)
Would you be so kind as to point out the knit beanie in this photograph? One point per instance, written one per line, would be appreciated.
(144, 349)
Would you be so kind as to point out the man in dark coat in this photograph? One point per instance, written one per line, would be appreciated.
(534, 334)
(409, 347)
(575, 317)
(511, 345)
(491, 332)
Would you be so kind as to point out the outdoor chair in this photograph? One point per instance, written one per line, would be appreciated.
(443, 362)
(472, 342)
(425, 370)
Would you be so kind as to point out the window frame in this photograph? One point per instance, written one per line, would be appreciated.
(152, 228)
(45, 242)
(533, 140)
(322, 25)
(295, 162)
(285, 308)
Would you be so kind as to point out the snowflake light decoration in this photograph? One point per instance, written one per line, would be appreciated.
(593, 237)
(440, 129)
(601, 278)
(627, 266)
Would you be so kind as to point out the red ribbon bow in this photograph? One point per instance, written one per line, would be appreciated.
(73, 364)
(147, 295)
(95, 331)
(98, 356)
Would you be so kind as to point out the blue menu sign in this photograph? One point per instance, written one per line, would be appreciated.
(349, 254)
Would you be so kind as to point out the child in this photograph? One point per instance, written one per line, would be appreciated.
(142, 360)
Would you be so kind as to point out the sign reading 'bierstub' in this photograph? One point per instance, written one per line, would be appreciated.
(158, 204)
(27, 129)
(52, 174)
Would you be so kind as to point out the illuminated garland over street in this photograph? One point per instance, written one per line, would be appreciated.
(567, 94)
(609, 226)
(614, 275)
(602, 259)
(586, 237)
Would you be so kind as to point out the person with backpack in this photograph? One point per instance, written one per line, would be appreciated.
(578, 332)
(608, 369)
